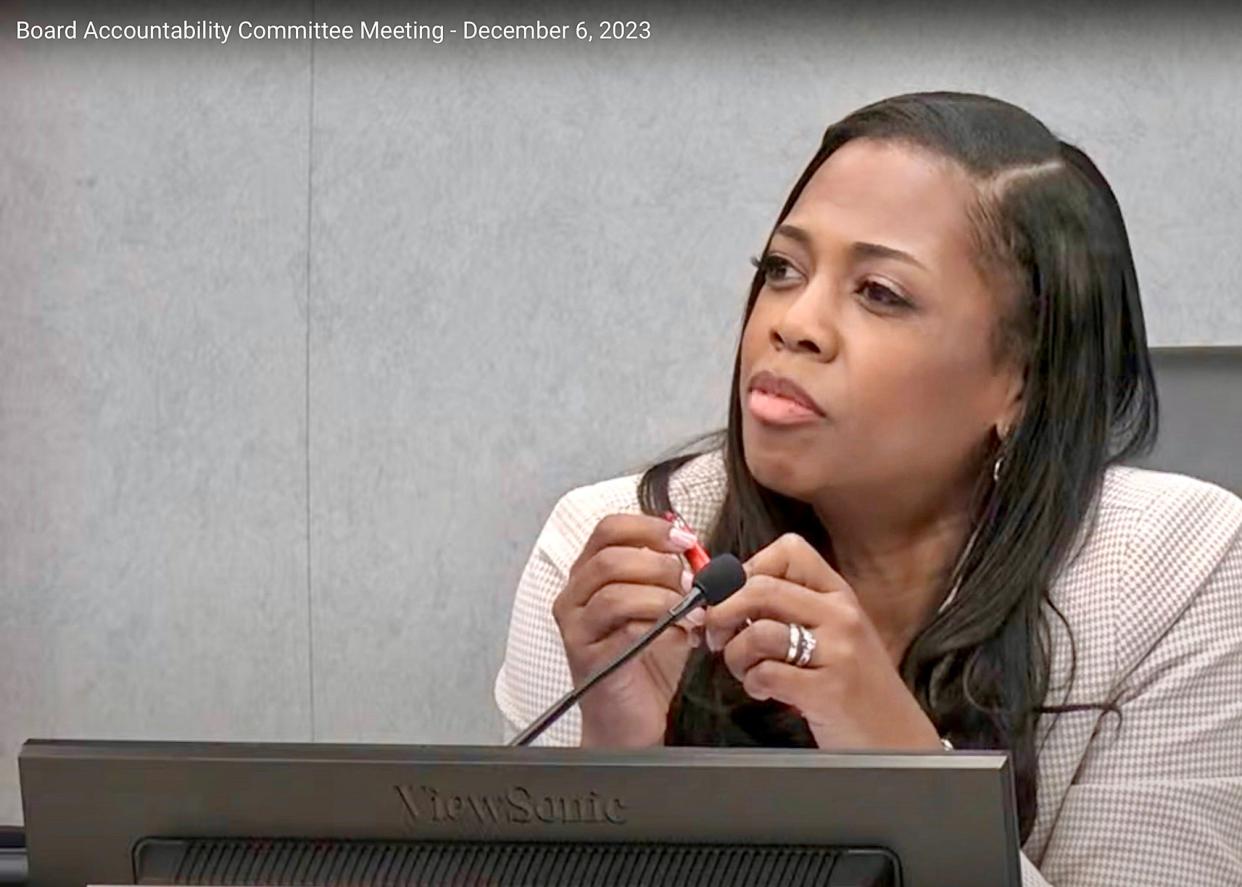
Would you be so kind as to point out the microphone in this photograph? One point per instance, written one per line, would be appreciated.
(722, 576)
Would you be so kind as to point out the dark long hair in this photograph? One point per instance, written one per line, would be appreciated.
(1050, 231)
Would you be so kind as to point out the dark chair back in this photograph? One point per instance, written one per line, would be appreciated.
(1200, 414)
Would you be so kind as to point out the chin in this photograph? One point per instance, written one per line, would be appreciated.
(790, 471)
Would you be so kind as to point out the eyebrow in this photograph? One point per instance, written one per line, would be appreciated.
(859, 249)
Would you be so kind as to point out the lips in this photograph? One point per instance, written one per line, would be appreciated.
(780, 386)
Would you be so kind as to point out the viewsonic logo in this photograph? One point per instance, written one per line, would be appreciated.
(424, 804)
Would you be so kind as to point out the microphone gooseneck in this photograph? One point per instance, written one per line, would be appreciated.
(712, 585)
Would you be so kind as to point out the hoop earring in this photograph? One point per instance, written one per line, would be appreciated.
(1002, 436)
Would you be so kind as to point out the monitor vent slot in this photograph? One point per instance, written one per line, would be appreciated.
(285, 863)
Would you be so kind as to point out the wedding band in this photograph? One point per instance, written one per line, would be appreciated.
(801, 645)
(806, 647)
(795, 642)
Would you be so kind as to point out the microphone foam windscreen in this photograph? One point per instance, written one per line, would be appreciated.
(720, 578)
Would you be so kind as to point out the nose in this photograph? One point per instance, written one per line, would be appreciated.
(806, 325)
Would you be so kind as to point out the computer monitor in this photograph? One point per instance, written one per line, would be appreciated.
(231, 813)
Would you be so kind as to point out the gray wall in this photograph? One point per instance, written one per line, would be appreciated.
(298, 347)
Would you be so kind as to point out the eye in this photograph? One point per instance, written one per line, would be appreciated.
(778, 272)
(878, 295)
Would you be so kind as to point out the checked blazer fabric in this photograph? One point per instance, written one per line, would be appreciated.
(1153, 594)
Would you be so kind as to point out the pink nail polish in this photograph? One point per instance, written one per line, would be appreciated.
(687, 581)
(681, 538)
(696, 617)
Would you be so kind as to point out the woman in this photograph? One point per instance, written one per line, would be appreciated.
(942, 367)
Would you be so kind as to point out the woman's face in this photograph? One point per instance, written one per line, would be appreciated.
(873, 305)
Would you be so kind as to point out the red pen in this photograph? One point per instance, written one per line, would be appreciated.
(697, 555)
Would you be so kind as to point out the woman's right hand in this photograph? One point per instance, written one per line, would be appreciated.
(628, 575)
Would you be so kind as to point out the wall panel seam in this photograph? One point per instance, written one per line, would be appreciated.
(310, 166)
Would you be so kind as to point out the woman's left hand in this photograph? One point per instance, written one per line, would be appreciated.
(850, 693)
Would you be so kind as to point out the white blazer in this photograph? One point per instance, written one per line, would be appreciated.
(1154, 596)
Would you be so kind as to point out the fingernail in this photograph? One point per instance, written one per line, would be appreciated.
(696, 617)
(695, 639)
(687, 582)
(681, 538)
(714, 641)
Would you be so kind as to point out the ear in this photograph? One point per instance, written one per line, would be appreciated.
(1011, 410)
